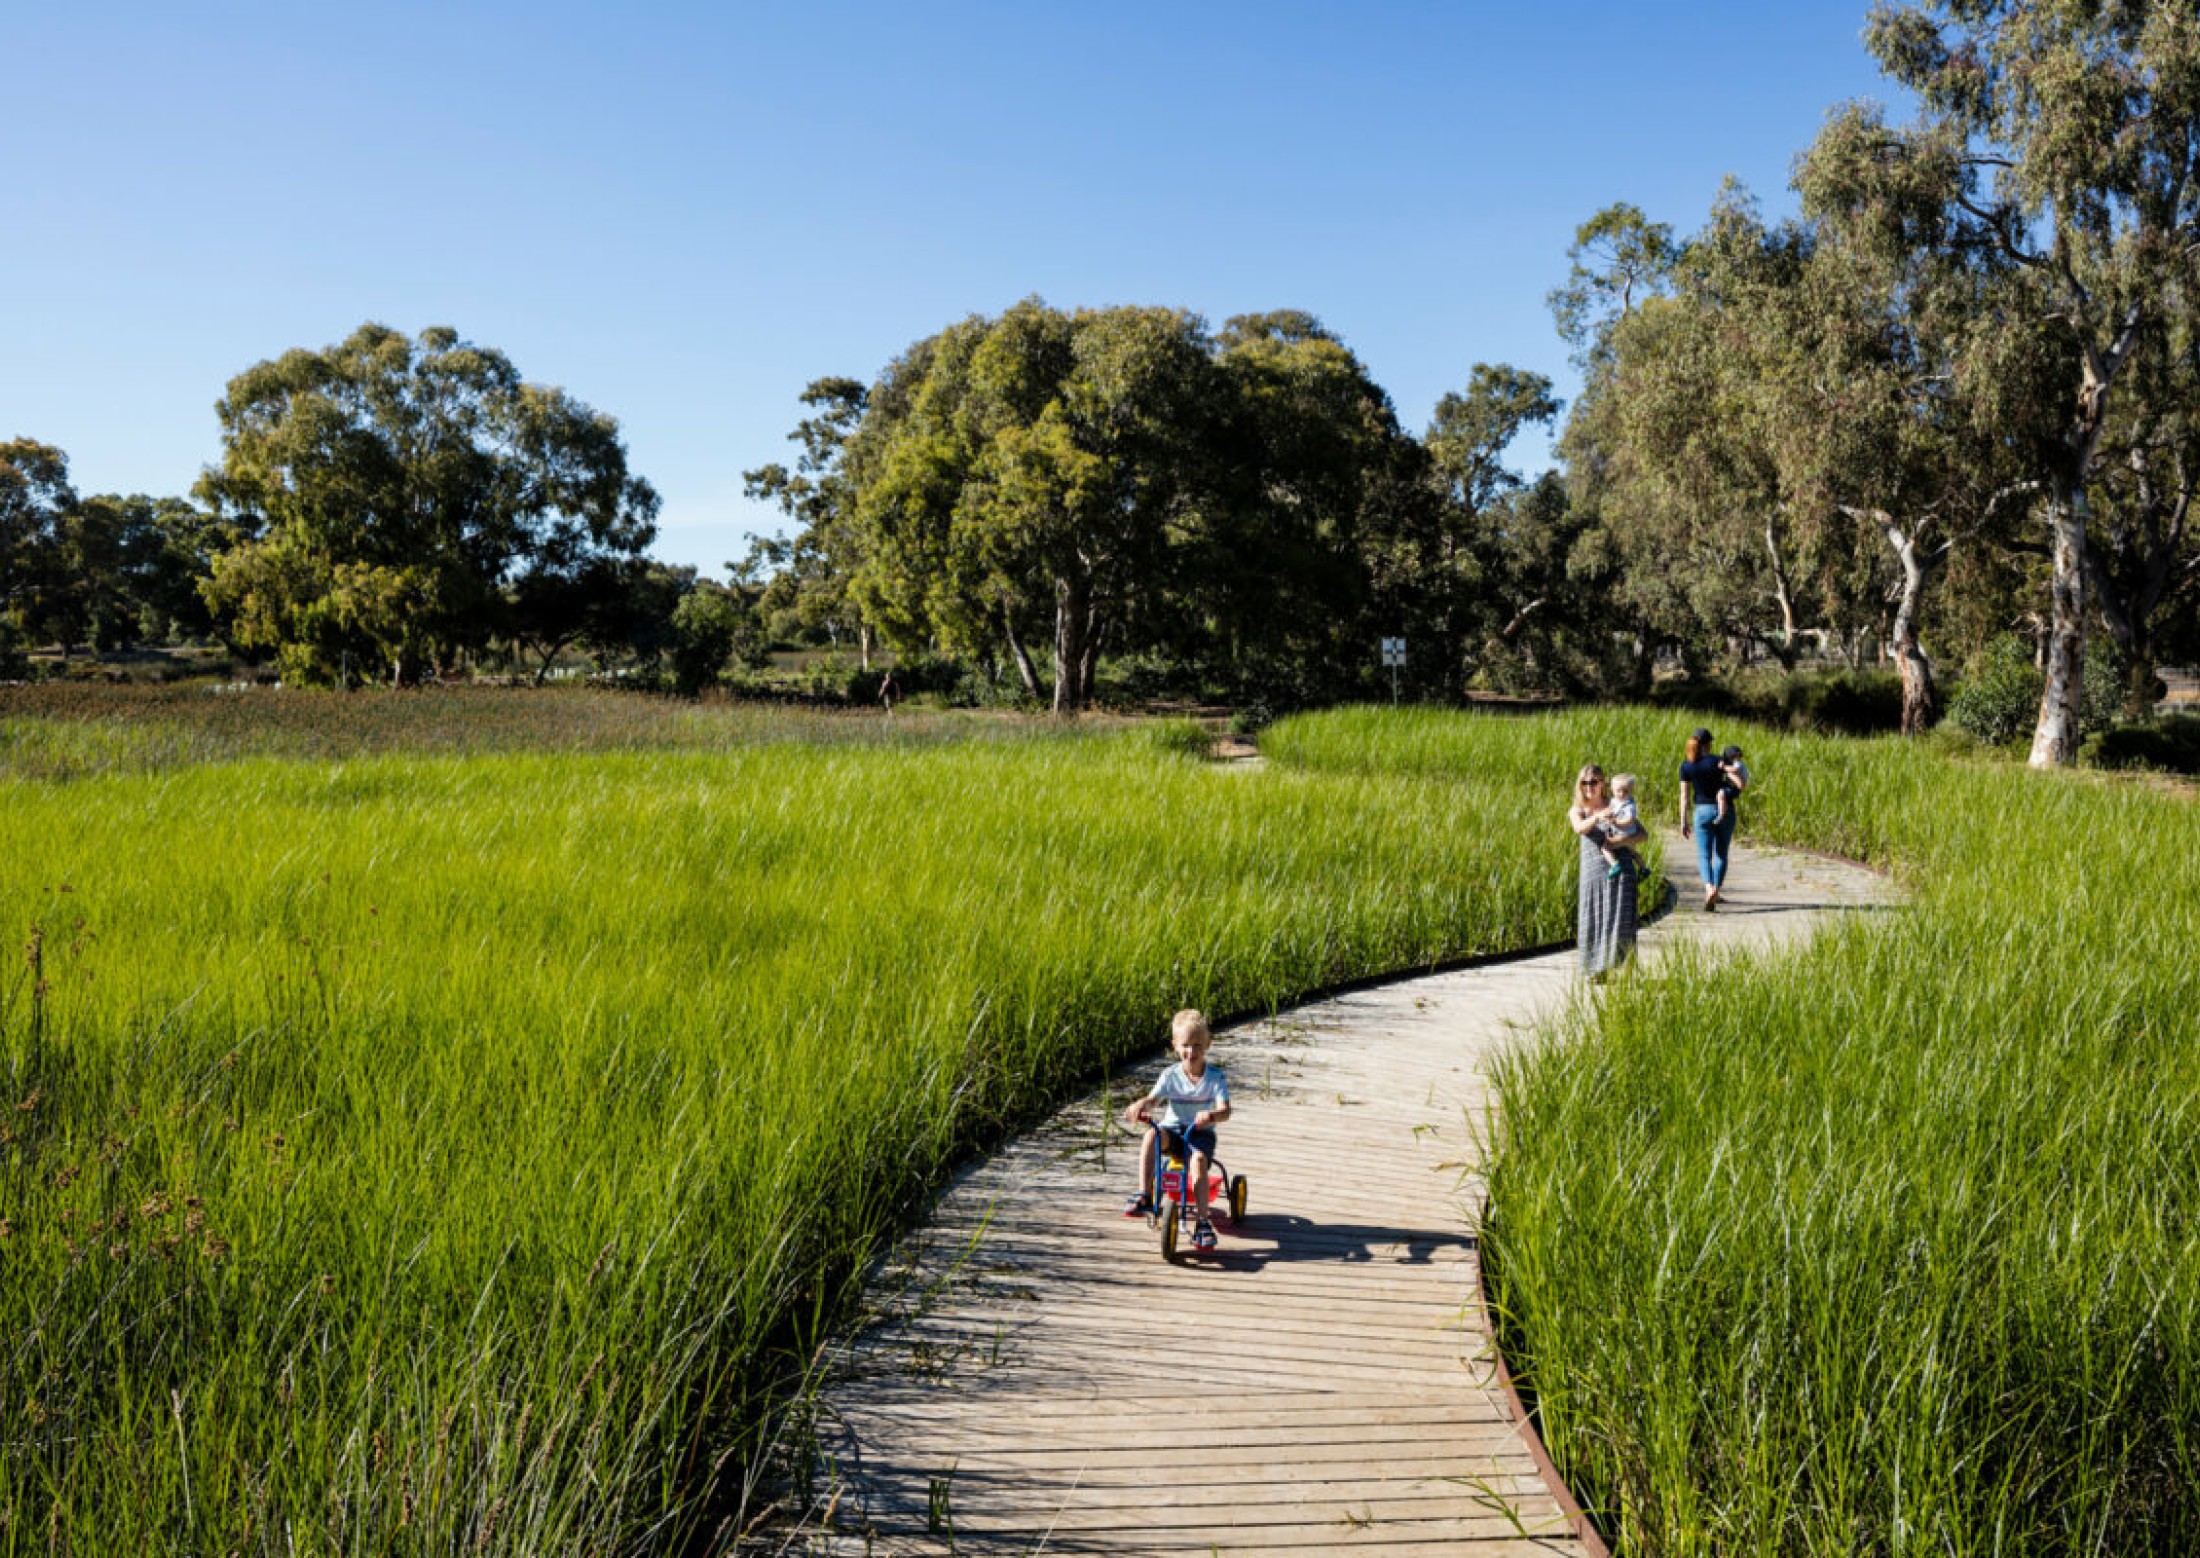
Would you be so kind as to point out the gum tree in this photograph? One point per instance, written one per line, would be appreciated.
(35, 503)
(806, 574)
(2065, 134)
(392, 501)
(1477, 571)
(2142, 550)
(1902, 354)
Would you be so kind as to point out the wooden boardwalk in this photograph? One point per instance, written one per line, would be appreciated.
(1036, 1379)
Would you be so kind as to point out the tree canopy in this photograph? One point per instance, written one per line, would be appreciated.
(1046, 486)
(387, 503)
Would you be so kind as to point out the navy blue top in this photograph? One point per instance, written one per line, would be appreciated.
(1706, 778)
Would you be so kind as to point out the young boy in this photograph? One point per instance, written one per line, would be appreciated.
(1737, 780)
(1194, 1099)
(1622, 825)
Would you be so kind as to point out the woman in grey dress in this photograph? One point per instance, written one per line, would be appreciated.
(1607, 919)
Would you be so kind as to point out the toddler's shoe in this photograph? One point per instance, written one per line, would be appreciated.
(1612, 870)
(1138, 1206)
(1203, 1236)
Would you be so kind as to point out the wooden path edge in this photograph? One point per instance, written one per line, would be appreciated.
(1523, 1418)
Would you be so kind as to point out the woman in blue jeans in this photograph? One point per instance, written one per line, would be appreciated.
(1702, 777)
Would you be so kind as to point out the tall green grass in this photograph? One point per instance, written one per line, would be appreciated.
(429, 1154)
(1888, 1245)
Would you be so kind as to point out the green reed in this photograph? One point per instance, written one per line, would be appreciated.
(425, 1154)
(1886, 1245)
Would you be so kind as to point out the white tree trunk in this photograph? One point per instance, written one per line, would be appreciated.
(2055, 740)
(1918, 702)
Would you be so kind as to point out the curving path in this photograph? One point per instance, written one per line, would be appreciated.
(1035, 1378)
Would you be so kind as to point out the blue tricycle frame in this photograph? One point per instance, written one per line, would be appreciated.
(1173, 1198)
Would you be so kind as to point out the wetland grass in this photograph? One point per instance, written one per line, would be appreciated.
(1891, 1244)
(418, 1154)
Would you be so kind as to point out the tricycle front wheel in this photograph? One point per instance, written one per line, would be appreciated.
(1171, 1214)
(1237, 1201)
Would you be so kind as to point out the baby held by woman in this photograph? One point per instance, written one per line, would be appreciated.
(1619, 825)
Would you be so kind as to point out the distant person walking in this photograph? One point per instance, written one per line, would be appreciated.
(1606, 922)
(1705, 817)
(888, 691)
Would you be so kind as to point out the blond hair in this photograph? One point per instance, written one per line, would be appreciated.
(1623, 784)
(1188, 1023)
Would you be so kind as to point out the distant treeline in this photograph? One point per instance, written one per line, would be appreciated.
(1948, 413)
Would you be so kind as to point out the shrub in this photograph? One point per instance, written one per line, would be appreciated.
(1150, 678)
(1854, 703)
(2170, 745)
(1999, 701)
(704, 627)
(1713, 695)
(1251, 719)
(914, 673)
(2107, 674)
(15, 665)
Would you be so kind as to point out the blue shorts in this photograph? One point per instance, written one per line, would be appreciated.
(1188, 1139)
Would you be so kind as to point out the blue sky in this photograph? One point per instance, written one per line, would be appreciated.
(684, 213)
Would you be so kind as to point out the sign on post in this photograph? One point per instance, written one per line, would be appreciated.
(1394, 655)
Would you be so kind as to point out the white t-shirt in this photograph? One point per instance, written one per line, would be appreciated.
(1186, 1097)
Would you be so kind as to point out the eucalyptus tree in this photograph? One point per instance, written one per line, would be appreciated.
(1481, 589)
(1028, 476)
(1684, 439)
(1619, 260)
(936, 556)
(806, 573)
(2064, 135)
(162, 549)
(2142, 548)
(86, 598)
(1303, 477)
(1902, 363)
(1547, 624)
(35, 502)
(391, 502)
(1095, 486)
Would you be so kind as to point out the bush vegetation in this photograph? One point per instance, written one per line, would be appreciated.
(2170, 744)
(1853, 703)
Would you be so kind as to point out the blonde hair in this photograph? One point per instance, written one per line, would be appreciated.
(1190, 1022)
(1623, 784)
(1590, 774)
